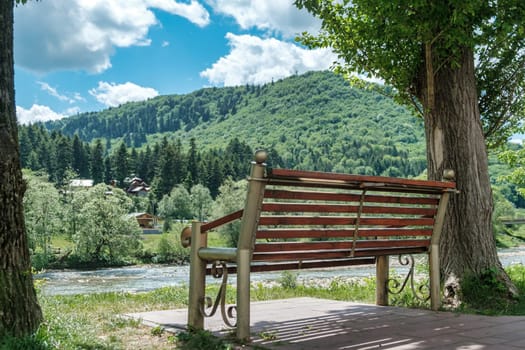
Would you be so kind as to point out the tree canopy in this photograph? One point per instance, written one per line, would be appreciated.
(388, 39)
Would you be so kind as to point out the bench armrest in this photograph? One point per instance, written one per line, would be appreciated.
(222, 254)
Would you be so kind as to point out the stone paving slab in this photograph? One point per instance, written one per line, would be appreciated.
(310, 323)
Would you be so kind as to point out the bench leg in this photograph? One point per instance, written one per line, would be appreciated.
(435, 279)
(382, 280)
(243, 295)
(197, 278)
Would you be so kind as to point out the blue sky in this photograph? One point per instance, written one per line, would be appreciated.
(76, 56)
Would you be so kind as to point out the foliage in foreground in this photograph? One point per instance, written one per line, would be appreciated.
(24, 343)
(202, 340)
(488, 295)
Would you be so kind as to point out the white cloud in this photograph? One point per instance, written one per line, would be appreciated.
(78, 97)
(273, 16)
(53, 92)
(112, 94)
(83, 34)
(165, 43)
(193, 11)
(36, 113)
(72, 110)
(253, 60)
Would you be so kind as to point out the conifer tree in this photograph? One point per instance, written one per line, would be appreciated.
(97, 162)
(121, 164)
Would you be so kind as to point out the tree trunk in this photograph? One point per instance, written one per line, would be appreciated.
(455, 141)
(20, 313)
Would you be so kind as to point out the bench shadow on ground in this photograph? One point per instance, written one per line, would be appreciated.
(308, 323)
(353, 327)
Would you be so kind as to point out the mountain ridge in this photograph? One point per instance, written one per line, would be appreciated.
(314, 121)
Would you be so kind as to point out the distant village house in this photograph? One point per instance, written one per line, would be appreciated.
(137, 187)
(147, 222)
(80, 184)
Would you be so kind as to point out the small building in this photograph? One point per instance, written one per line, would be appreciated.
(80, 183)
(147, 222)
(138, 187)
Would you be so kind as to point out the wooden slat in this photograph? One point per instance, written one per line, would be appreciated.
(302, 233)
(298, 265)
(348, 197)
(338, 233)
(339, 208)
(335, 254)
(221, 221)
(299, 175)
(391, 231)
(338, 245)
(315, 264)
(390, 251)
(286, 256)
(341, 220)
(347, 186)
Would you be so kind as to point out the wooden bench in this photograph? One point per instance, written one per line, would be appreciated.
(302, 219)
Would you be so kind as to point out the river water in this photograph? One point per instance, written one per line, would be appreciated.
(148, 277)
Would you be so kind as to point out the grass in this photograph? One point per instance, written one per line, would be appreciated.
(508, 238)
(488, 296)
(151, 241)
(62, 242)
(93, 322)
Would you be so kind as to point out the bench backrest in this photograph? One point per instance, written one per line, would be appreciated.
(327, 219)
(302, 219)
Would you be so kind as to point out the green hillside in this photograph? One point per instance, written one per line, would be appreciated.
(313, 121)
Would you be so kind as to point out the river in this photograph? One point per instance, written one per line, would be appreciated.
(148, 277)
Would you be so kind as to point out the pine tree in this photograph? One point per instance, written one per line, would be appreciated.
(192, 165)
(80, 160)
(108, 171)
(64, 159)
(121, 165)
(97, 162)
(165, 178)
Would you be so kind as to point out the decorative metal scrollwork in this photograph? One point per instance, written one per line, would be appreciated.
(421, 293)
(219, 269)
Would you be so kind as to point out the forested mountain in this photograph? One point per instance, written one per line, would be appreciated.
(314, 121)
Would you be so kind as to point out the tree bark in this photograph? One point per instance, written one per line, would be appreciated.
(455, 141)
(20, 313)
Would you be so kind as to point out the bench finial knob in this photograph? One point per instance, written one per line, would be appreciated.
(261, 156)
(449, 175)
(185, 237)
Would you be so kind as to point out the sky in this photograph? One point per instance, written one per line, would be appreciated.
(74, 56)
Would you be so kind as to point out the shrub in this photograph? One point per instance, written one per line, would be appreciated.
(166, 250)
(288, 280)
(484, 292)
(22, 343)
(201, 340)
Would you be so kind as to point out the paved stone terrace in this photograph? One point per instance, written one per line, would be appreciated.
(309, 323)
